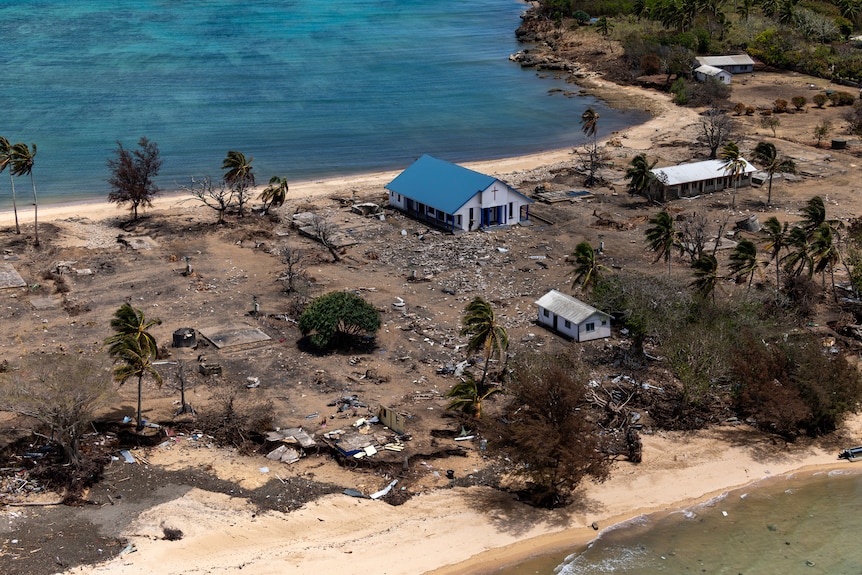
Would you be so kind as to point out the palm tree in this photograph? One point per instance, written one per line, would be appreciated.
(590, 123)
(799, 257)
(705, 275)
(22, 165)
(128, 321)
(5, 160)
(734, 165)
(767, 155)
(663, 237)
(743, 261)
(824, 254)
(605, 27)
(239, 176)
(587, 270)
(134, 358)
(134, 346)
(485, 333)
(274, 194)
(777, 238)
(468, 395)
(640, 176)
(813, 214)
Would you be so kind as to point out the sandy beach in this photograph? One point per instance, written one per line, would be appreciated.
(450, 531)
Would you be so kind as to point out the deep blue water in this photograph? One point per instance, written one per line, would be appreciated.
(807, 524)
(309, 89)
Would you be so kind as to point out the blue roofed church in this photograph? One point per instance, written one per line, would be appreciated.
(455, 198)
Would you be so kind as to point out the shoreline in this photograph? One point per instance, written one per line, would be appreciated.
(461, 531)
(572, 540)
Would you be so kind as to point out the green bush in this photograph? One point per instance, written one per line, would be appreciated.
(679, 91)
(338, 318)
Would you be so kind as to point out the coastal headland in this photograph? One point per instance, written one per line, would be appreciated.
(241, 511)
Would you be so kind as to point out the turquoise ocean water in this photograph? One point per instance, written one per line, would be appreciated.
(807, 524)
(308, 88)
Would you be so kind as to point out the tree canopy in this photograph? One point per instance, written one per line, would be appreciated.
(133, 174)
(546, 436)
(338, 318)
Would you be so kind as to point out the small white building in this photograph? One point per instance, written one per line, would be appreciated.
(703, 73)
(456, 198)
(695, 178)
(572, 317)
(733, 63)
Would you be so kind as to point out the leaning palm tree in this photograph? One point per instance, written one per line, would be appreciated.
(274, 194)
(131, 322)
(813, 215)
(5, 161)
(772, 163)
(824, 254)
(705, 275)
(485, 333)
(134, 358)
(22, 165)
(663, 237)
(239, 176)
(641, 177)
(798, 259)
(587, 270)
(468, 395)
(733, 165)
(776, 240)
(743, 261)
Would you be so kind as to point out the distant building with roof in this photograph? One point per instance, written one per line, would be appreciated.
(693, 179)
(733, 63)
(455, 198)
(572, 317)
(704, 72)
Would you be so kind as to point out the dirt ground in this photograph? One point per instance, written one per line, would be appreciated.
(418, 278)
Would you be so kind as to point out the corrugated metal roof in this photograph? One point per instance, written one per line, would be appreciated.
(696, 172)
(728, 60)
(566, 306)
(439, 184)
(710, 70)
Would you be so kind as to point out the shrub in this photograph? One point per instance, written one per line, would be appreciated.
(650, 64)
(236, 421)
(338, 318)
(798, 102)
(820, 100)
(679, 91)
(795, 386)
(842, 98)
(581, 17)
(739, 108)
(779, 106)
(854, 118)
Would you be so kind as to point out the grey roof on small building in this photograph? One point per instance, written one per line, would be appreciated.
(728, 60)
(567, 306)
(696, 172)
(710, 70)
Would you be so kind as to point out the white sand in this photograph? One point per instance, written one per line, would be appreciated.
(449, 531)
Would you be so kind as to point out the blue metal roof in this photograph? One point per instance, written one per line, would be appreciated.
(442, 185)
